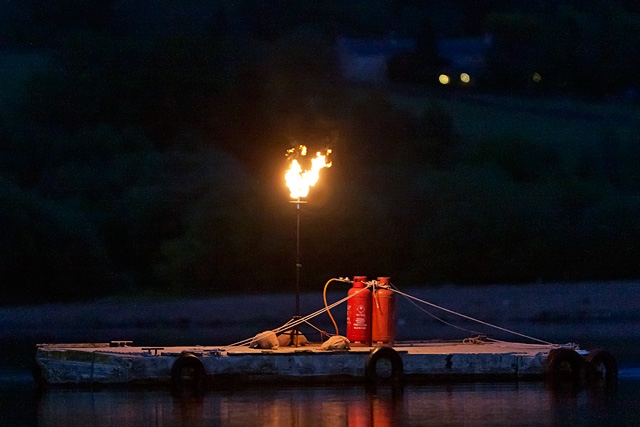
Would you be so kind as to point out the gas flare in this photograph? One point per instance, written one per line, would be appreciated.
(299, 180)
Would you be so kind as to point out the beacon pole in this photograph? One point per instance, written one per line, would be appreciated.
(298, 268)
(299, 181)
(298, 265)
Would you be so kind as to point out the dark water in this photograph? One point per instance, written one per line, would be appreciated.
(474, 404)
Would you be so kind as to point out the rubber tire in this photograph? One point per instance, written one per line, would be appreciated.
(392, 357)
(602, 366)
(188, 374)
(564, 365)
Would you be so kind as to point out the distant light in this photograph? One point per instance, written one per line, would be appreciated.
(536, 77)
(444, 79)
(465, 78)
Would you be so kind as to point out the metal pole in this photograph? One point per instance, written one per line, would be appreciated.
(294, 335)
(298, 265)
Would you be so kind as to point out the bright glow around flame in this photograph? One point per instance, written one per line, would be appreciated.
(298, 180)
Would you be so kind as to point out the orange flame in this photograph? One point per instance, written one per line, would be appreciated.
(298, 180)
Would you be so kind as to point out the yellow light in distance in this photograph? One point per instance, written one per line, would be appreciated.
(444, 79)
(536, 77)
(298, 180)
(465, 78)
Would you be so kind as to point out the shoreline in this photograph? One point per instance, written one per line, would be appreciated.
(593, 313)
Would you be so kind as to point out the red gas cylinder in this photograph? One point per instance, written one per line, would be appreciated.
(383, 313)
(359, 313)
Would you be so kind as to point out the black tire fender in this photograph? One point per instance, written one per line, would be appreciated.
(564, 365)
(393, 370)
(188, 373)
(601, 366)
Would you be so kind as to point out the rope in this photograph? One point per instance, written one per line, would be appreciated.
(324, 297)
(371, 284)
(470, 318)
(295, 322)
(474, 340)
(394, 288)
(292, 323)
(322, 333)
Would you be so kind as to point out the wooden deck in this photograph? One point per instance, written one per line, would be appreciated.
(120, 362)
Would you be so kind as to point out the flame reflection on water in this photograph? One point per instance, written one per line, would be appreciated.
(503, 404)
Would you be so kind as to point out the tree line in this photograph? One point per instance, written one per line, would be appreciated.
(139, 162)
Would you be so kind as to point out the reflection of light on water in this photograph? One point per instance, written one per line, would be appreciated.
(475, 404)
(301, 407)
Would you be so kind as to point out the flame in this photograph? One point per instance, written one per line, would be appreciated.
(298, 180)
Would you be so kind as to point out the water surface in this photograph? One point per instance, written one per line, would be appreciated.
(467, 404)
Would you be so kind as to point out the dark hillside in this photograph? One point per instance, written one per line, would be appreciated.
(145, 152)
